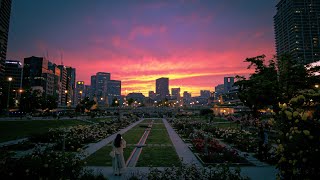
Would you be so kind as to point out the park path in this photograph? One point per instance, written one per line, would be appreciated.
(93, 147)
(182, 149)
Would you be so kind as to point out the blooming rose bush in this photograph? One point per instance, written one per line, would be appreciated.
(298, 149)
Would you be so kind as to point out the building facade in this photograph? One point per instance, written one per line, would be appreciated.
(13, 69)
(80, 91)
(113, 91)
(71, 86)
(297, 33)
(5, 10)
(162, 88)
(63, 82)
(175, 93)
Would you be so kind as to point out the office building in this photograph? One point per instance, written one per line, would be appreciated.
(80, 91)
(162, 88)
(113, 91)
(93, 87)
(152, 95)
(205, 94)
(87, 91)
(296, 26)
(57, 82)
(5, 10)
(33, 70)
(13, 69)
(175, 93)
(71, 85)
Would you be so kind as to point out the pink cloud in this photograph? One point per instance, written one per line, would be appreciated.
(146, 31)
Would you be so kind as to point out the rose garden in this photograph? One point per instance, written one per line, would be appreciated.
(172, 145)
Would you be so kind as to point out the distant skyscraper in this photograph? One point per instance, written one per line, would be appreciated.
(87, 91)
(80, 91)
(33, 70)
(93, 87)
(186, 98)
(5, 10)
(297, 25)
(113, 90)
(162, 88)
(63, 81)
(57, 81)
(102, 79)
(175, 93)
(71, 85)
(13, 69)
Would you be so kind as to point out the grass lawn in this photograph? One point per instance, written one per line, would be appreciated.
(10, 130)
(158, 157)
(102, 158)
(133, 135)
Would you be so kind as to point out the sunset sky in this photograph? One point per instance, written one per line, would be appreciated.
(195, 43)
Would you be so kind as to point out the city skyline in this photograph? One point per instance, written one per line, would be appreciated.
(195, 44)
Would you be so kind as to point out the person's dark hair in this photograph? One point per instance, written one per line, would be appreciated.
(117, 141)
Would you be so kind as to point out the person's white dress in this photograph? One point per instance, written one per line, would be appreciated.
(118, 162)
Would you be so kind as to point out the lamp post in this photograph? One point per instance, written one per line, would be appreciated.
(66, 95)
(9, 79)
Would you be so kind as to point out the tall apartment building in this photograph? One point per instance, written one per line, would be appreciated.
(63, 83)
(297, 29)
(5, 10)
(93, 87)
(162, 88)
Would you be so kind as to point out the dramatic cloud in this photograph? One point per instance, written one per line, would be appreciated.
(193, 43)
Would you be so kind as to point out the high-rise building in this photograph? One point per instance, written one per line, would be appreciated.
(175, 93)
(297, 25)
(162, 88)
(102, 79)
(186, 98)
(5, 9)
(87, 91)
(63, 87)
(93, 87)
(33, 70)
(13, 69)
(80, 91)
(57, 82)
(113, 91)
(71, 85)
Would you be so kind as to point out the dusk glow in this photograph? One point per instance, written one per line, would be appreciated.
(194, 43)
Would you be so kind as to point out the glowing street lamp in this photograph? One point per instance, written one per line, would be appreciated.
(316, 86)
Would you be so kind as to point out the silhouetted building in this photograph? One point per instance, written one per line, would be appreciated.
(228, 84)
(80, 91)
(162, 88)
(57, 82)
(13, 69)
(87, 91)
(139, 97)
(205, 94)
(175, 93)
(113, 91)
(33, 70)
(93, 87)
(63, 88)
(152, 95)
(5, 10)
(71, 85)
(297, 25)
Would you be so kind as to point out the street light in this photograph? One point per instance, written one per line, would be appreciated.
(9, 79)
(316, 86)
(66, 93)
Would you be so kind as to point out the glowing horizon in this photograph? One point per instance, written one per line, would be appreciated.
(193, 43)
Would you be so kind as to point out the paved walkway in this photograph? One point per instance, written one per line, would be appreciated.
(182, 149)
(93, 147)
(13, 142)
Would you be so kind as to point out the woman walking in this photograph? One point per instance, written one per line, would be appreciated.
(118, 162)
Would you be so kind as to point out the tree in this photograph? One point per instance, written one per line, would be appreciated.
(30, 100)
(261, 90)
